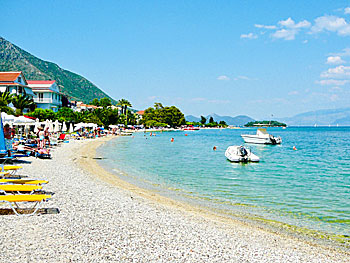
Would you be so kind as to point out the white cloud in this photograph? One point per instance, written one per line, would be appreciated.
(289, 23)
(289, 29)
(344, 53)
(265, 26)
(242, 77)
(249, 36)
(286, 34)
(335, 60)
(336, 82)
(223, 77)
(347, 10)
(337, 72)
(332, 24)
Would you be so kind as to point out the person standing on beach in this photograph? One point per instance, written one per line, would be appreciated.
(46, 136)
(8, 138)
(41, 137)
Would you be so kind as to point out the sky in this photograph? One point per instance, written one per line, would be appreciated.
(255, 58)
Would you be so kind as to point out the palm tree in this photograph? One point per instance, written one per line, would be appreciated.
(5, 100)
(21, 102)
(124, 104)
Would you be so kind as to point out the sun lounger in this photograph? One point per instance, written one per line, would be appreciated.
(24, 181)
(13, 201)
(12, 169)
(19, 188)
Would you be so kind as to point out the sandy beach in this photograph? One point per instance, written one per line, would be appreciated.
(104, 219)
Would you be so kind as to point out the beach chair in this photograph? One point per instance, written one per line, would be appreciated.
(24, 181)
(13, 200)
(12, 169)
(19, 188)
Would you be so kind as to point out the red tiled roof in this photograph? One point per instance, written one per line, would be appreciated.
(141, 112)
(41, 81)
(9, 76)
(11, 84)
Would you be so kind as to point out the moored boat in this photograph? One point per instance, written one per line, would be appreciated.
(261, 137)
(240, 154)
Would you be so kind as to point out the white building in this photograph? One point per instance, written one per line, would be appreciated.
(15, 83)
(47, 94)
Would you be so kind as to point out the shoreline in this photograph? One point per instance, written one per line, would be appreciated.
(217, 212)
(216, 215)
(102, 220)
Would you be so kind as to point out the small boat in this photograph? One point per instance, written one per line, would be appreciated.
(261, 137)
(240, 154)
(191, 128)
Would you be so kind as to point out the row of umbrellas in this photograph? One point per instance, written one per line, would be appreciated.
(53, 126)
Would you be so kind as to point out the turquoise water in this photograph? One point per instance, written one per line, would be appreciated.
(308, 188)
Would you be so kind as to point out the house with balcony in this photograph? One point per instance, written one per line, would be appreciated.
(47, 94)
(15, 83)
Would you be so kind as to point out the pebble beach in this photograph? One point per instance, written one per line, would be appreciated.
(104, 219)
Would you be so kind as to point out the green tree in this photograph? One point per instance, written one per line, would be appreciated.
(105, 102)
(223, 123)
(203, 120)
(211, 119)
(65, 114)
(42, 114)
(5, 100)
(21, 102)
(124, 104)
(161, 115)
(95, 102)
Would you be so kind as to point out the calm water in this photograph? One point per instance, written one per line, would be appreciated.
(309, 187)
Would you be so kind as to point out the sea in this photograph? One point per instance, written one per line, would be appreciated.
(305, 190)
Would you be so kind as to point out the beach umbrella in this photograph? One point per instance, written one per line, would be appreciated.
(23, 120)
(51, 126)
(37, 125)
(71, 129)
(6, 117)
(64, 127)
(47, 124)
(2, 138)
(57, 126)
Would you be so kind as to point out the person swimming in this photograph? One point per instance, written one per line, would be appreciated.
(172, 140)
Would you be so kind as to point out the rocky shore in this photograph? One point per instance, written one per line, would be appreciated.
(104, 219)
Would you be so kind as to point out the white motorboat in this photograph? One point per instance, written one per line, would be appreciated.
(240, 154)
(261, 137)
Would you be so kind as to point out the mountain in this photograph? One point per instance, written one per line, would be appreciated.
(13, 58)
(239, 120)
(339, 117)
(192, 118)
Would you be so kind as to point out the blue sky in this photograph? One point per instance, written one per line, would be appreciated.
(229, 57)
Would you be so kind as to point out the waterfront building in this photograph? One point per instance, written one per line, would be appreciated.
(47, 94)
(15, 83)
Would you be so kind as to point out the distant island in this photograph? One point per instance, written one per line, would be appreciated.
(265, 123)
